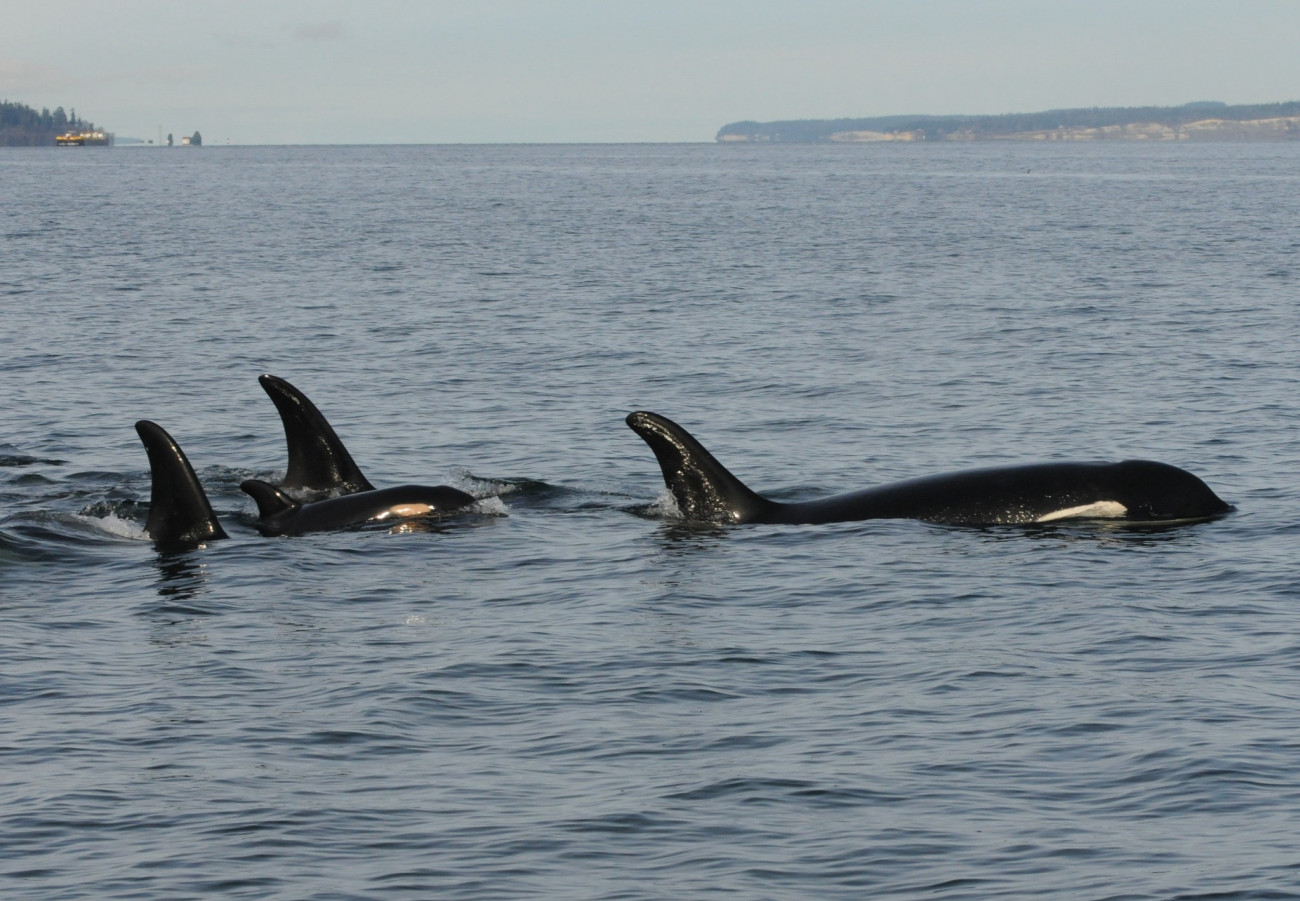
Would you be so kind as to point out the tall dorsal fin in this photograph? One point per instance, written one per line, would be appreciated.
(180, 515)
(271, 501)
(703, 488)
(318, 461)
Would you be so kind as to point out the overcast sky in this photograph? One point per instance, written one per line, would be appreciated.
(438, 71)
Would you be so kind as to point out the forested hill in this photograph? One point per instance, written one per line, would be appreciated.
(22, 126)
(1203, 121)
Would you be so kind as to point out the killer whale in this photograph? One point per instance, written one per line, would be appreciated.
(319, 464)
(281, 514)
(180, 516)
(329, 490)
(1133, 490)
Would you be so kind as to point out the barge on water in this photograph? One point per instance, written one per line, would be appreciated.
(84, 139)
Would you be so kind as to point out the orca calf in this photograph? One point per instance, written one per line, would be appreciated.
(280, 514)
(319, 464)
(1134, 491)
(180, 516)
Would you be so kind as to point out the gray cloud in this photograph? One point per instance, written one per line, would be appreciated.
(240, 41)
(320, 31)
(20, 77)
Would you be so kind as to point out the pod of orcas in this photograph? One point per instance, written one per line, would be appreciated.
(329, 490)
(324, 489)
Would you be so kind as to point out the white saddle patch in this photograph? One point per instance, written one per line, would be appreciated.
(1101, 509)
(406, 510)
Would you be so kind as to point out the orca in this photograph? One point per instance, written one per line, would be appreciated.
(281, 514)
(331, 492)
(180, 516)
(319, 464)
(1139, 491)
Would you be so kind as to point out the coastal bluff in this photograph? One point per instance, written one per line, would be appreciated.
(1206, 121)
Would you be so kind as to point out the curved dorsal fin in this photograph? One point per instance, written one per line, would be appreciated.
(180, 515)
(318, 461)
(703, 488)
(271, 501)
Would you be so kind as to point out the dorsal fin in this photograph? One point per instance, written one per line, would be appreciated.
(271, 501)
(180, 515)
(318, 461)
(703, 488)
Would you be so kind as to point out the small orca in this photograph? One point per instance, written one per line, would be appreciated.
(319, 464)
(280, 514)
(1134, 490)
(180, 516)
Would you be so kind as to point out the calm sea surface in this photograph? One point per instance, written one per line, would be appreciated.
(566, 694)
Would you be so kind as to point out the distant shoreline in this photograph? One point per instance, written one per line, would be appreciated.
(1207, 121)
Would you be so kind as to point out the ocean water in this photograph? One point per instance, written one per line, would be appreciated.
(567, 693)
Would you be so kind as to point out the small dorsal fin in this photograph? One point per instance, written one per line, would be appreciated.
(180, 515)
(318, 461)
(703, 488)
(271, 501)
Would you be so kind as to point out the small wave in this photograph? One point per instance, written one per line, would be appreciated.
(14, 548)
(663, 507)
(533, 492)
(478, 486)
(53, 535)
(17, 460)
(116, 519)
(24, 479)
(490, 506)
(482, 486)
(666, 504)
(114, 525)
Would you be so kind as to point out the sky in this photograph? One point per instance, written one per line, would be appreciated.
(543, 71)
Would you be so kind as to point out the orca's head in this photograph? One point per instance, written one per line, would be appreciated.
(1157, 491)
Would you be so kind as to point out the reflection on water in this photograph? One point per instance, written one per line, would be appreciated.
(677, 538)
(1100, 531)
(182, 577)
(418, 524)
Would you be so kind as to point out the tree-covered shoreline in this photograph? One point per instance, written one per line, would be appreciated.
(974, 128)
(23, 126)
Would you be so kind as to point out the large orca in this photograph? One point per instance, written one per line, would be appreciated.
(281, 514)
(180, 516)
(319, 464)
(1134, 490)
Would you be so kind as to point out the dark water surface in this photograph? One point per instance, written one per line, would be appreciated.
(564, 694)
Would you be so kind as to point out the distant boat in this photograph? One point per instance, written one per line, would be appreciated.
(84, 139)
